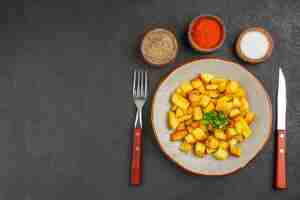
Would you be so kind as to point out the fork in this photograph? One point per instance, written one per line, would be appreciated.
(139, 93)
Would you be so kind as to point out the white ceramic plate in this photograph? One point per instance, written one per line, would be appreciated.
(259, 101)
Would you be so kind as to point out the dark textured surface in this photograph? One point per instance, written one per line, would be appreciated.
(66, 113)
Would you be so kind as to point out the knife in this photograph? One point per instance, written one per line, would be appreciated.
(281, 182)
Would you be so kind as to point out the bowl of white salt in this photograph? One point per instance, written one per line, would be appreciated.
(254, 45)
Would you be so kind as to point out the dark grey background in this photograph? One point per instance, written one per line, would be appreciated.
(66, 113)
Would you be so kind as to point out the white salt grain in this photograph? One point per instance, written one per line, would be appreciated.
(254, 45)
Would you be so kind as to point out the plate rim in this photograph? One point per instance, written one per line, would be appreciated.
(269, 102)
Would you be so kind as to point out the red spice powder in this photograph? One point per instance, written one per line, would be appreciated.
(207, 33)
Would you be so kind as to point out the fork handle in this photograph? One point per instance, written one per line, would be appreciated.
(281, 182)
(136, 168)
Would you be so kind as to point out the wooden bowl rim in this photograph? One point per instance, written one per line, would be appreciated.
(269, 102)
(250, 60)
(200, 49)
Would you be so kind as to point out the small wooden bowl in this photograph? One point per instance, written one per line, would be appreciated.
(197, 47)
(250, 60)
(172, 36)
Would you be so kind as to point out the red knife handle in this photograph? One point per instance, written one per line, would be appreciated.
(136, 168)
(281, 182)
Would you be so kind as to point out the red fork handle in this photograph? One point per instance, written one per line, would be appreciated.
(136, 168)
(281, 182)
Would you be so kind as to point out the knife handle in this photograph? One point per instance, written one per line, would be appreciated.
(136, 168)
(281, 182)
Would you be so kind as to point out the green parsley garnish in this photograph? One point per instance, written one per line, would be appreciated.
(216, 119)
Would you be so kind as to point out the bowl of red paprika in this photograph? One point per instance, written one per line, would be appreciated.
(206, 33)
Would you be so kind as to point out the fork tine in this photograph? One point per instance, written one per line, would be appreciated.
(142, 83)
(134, 83)
(146, 83)
(138, 84)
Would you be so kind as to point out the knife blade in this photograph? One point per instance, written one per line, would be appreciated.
(281, 181)
(281, 102)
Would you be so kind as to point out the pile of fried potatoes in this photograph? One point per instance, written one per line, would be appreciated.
(207, 93)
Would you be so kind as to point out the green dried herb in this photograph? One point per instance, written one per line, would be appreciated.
(216, 119)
